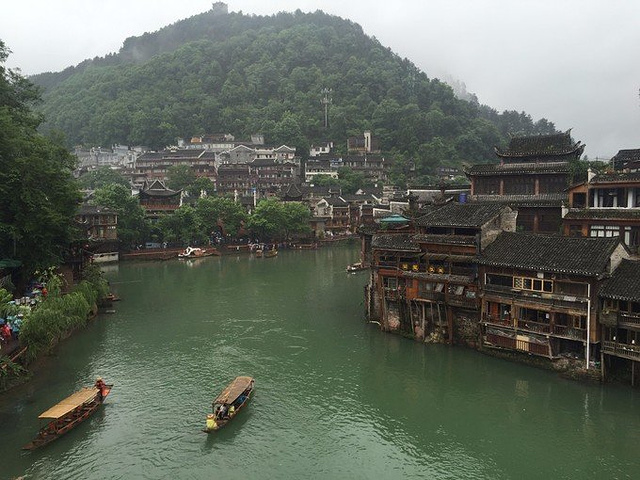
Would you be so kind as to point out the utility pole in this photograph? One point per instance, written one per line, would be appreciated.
(326, 100)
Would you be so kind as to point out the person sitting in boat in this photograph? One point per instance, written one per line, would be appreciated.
(100, 385)
(232, 410)
(223, 411)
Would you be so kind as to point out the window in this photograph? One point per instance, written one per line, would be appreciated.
(533, 284)
(439, 287)
(607, 231)
(390, 282)
(502, 280)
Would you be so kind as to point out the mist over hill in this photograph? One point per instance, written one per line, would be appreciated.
(242, 74)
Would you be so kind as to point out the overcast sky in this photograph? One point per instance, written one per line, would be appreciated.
(574, 62)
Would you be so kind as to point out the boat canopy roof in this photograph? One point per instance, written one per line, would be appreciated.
(233, 390)
(70, 403)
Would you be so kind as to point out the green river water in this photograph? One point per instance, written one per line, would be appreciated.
(335, 397)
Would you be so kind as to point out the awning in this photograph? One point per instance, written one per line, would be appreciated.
(70, 403)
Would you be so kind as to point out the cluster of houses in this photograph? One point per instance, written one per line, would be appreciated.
(515, 262)
(522, 266)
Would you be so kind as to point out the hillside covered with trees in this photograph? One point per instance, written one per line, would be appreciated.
(242, 74)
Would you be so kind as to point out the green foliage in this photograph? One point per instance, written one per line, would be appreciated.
(243, 74)
(53, 318)
(102, 177)
(93, 276)
(276, 220)
(220, 213)
(6, 308)
(132, 227)
(9, 370)
(578, 170)
(180, 177)
(38, 194)
(183, 226)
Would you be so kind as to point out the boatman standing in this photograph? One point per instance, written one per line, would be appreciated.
(100, 385)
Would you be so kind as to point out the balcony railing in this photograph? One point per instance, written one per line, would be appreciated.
(461, 301)
(570, 332)
(632, 319)
(519, 345)
(536, 327)
(431, 295)
(623, 350)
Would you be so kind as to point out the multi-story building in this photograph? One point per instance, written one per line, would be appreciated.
(158, 200)
(606, 205)
(539, 293)
(531, 177)
(155, 165)
(424, 279)
(100, 228)
(620, 320)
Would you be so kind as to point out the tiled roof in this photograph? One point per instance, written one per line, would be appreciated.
(95, 210)
(336, 202)
(625, 156)
(618, 177)
(445, 239)
(559, 144)
(357, 198)
(549, 253)
(603, 214)
(624, 284)
(402, 242)
(486, 169)
(263, 162)
(545, 199)
(461, 215)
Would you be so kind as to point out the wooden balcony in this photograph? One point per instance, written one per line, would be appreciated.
(623, 350)
(517, 344)
(462, 301)
(570, 332)
(629, 320)
(431, 295)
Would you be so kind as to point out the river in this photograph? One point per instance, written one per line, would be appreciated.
(335, 397)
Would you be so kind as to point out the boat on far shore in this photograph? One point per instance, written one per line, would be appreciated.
(356, 267)
(196, 252)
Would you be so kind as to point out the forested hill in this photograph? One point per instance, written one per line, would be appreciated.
(242, 74)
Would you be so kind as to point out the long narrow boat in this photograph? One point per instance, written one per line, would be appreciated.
(230, 401)
(67, 414)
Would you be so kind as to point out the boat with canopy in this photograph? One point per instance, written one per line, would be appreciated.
(229, 402)
(67, 414)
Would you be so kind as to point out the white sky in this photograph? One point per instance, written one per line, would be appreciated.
(574, 62)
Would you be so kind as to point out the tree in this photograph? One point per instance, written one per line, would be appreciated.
(132, 227)
(38, 194)
(201, 185)
(297, 216)
(268, 220)
(220, 214)
(180, 177)
(101, 177)
(183, 226)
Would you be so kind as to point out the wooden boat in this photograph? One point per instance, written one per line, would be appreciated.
(356, 267)
(195, 252)
(68, 414)
(230, 401)
(271, 253)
